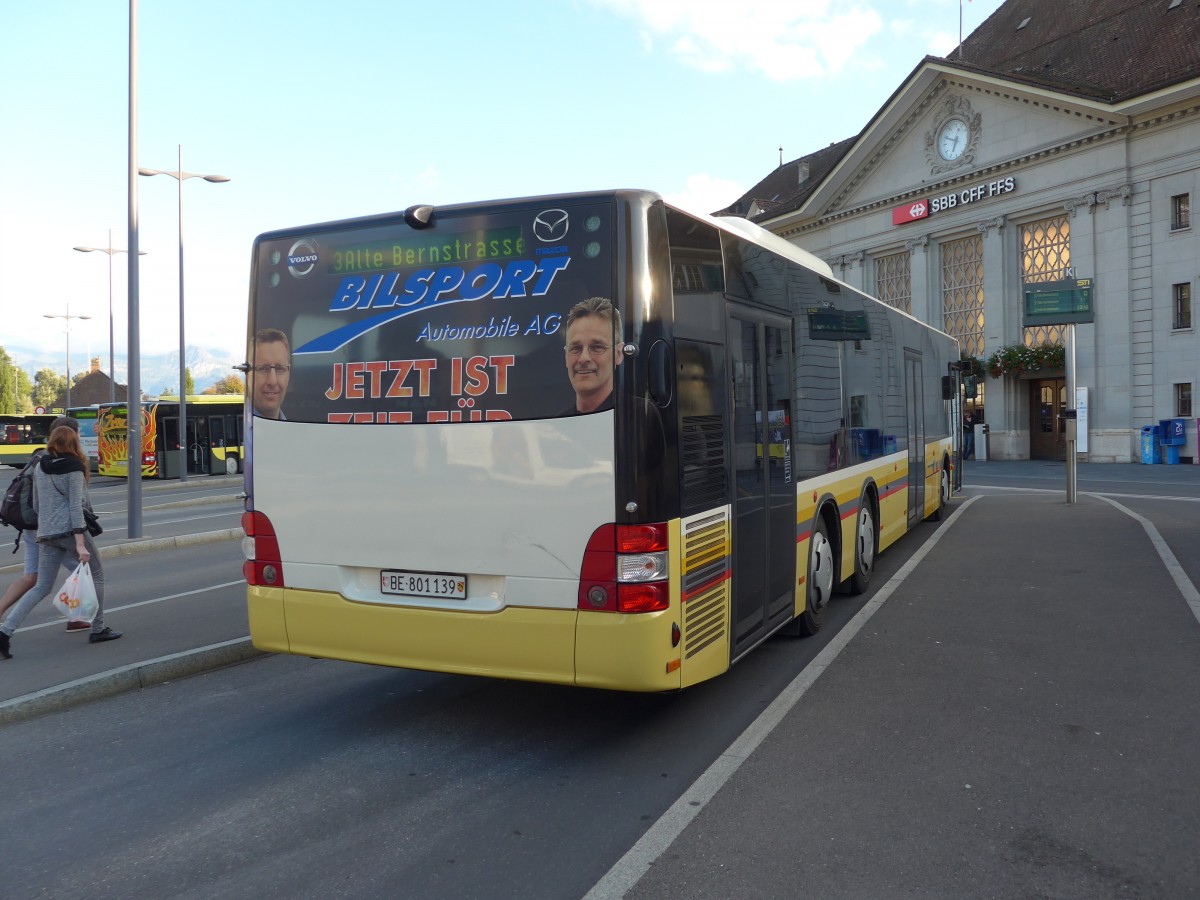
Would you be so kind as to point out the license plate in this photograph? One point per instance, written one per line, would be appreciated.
(423, 584)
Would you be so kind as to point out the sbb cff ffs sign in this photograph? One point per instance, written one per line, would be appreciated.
(920, 209)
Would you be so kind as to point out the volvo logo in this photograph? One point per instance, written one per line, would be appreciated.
(302, 258)
(551, 225)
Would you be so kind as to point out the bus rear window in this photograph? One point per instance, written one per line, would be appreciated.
(464, 321)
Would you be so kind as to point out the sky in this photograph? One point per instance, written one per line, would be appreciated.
(317, 112)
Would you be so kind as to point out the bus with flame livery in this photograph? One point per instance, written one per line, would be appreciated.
(214, 436)
(525, 439)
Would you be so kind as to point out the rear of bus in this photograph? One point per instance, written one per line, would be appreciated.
(423, 490)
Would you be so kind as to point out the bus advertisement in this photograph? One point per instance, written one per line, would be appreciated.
(214, 436)
(559, 471)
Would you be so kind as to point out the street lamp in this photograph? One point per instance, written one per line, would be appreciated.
(66, 315)
(181, 176)
(110, 250)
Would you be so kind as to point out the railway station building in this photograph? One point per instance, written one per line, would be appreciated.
(1045, 170)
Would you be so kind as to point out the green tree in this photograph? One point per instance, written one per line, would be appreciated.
(47, 385)
(24, 392)
(9, 383)
(189, 381)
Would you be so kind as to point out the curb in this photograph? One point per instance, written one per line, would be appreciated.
(132, 677)
(197, 501)
(172, 543)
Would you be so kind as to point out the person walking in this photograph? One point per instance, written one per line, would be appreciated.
(61, 482)
(28, 577)
(968, 435)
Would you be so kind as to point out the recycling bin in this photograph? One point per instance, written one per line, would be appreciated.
(1150, 449)
(1172, 436)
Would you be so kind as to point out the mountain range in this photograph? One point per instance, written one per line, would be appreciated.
(159, 371)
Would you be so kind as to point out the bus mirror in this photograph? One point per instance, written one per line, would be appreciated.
(420, 216)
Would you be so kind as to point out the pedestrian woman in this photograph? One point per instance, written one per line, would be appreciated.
(60, 485)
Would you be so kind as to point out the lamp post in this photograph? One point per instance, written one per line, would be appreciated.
(181, 176)
(68, 317)
(110, 250)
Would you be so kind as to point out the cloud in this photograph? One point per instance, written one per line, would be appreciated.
(703, 194)
(784, 41)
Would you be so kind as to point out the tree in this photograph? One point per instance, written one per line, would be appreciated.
(47, 385)
(189, 381)
(230, 384)
(9, 383)
(24, 392)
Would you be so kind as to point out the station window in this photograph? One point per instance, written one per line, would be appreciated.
(893, 280)
(1181, 212)
(1181, 295)
(1045, 256)
(1183, 400)
(962, 292)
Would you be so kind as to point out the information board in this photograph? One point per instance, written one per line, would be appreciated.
(1064, 302)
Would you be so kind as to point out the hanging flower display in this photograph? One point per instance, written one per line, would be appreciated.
(1018, 358)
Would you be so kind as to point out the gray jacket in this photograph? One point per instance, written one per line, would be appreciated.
(60, 497)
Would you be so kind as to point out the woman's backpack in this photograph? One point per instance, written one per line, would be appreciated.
(18, 509)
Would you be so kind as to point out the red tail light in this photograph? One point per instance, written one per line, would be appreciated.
(625, 569)
(263, 564)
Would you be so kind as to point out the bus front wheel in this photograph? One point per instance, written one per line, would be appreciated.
(943, 493)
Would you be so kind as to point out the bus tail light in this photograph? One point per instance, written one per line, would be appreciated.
(263, 564)
(625, 569)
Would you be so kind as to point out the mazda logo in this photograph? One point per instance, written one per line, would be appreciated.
(550, 225)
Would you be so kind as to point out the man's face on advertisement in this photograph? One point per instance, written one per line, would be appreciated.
(269, 389)
(591, 360)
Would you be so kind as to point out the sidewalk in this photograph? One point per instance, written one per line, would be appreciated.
(162, 650)
(1018, 718)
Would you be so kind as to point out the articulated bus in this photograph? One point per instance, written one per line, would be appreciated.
(21, 435)
(214, 436)
(524, 439)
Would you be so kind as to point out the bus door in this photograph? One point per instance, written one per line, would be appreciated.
(764, 513)
(216, 442)
(198, 445)
(915, 408)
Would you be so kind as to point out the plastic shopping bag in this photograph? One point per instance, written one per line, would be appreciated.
(76, 599)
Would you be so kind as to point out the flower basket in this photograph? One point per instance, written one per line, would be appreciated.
(1018, 358)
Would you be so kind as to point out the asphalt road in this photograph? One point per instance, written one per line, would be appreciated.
(1007, 725)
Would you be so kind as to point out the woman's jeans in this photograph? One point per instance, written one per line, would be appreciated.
(52, 553)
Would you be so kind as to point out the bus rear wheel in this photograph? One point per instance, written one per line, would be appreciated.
(822, 579)
(231, 464)
(864, 548)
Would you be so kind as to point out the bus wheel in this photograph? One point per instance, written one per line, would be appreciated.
(231, 464)
(943, 493)
(821, 580)
(864, 548)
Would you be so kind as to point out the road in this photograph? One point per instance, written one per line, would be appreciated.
(290, 776)
(287, 776)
